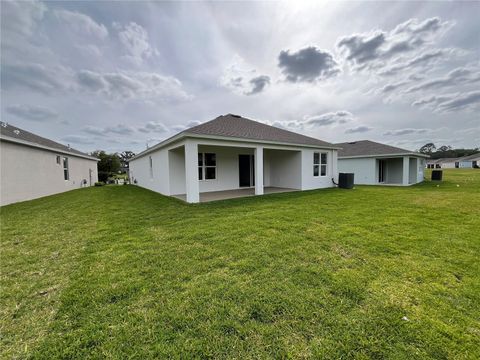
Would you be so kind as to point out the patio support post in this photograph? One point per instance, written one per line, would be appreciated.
(406, 170)
(259, 170)
(191, 171)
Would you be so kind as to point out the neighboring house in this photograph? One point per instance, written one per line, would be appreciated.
(470, 161)
(236, 156)
(379, 164)
(434, 163)
(32, 166)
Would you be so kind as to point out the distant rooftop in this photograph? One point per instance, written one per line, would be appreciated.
(371, 148)
(8, 131)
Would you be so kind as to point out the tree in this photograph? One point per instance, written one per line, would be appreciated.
(124, 157)
(108, 165)
(428, 148)
(444, 148)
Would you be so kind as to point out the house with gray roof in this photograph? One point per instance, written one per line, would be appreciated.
(232, 156)
(374, 163)
(33, 166)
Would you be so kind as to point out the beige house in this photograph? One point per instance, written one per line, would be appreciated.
(33, 166)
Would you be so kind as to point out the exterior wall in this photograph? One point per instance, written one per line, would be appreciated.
(420, 169)
(448, 165)
(412, 171)
(394, 171)
(283, 168)
(365, 170)
(176, 167)
(28, 173)
(316, 182)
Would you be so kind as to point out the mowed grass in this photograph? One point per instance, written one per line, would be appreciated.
(122, 272)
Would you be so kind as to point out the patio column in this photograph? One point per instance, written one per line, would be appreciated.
(406, 170)
(259, 170)
(191, 172)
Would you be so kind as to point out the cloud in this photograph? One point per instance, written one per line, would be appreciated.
(34, 77)
(31, 112)
(132, 85)
(81, 23)
(425, 58)
(338, 117)
(309, 64)
(134, 39)
(78, 139)
(371, 49)
(258, 84)
(407, 131)
(458, 76)
(152, 126)
(464, 101)
(242, 79)
(119, 129)
(358, 129)
(21, 17)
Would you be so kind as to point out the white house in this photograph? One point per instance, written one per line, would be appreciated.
(33, 166)
(379, 164)
(470, 161)
(232, 156)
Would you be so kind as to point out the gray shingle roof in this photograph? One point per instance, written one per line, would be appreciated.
(370, 148)
(471, 157)
(7, 130)
(239, 127)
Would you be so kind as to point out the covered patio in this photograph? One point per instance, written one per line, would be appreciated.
(232, 194)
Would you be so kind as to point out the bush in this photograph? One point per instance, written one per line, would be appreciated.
(99, 183)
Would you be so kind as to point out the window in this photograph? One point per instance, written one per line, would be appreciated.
(207, 166)
(65, 168)
(319, 164)
(150, 161)
(59, 160)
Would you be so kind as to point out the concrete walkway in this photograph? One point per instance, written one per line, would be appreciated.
(237, 193)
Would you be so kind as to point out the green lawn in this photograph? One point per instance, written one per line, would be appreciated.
(122, 272)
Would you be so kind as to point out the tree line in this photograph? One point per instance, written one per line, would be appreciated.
(445, 151)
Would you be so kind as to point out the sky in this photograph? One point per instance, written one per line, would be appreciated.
(120, 76)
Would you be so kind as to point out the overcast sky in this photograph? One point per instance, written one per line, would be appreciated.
(116, 75)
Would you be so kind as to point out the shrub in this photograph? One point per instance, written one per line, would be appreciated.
(99, 183)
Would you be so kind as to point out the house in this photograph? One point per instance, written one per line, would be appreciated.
(232, 156)
(470, 161)
(33, 166)
(433, 163)
(379, 164)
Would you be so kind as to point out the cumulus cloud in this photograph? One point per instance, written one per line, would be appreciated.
(309, 64)
(373, 48)
(407, 131)
(132, 85)
(242, 79)
(358, 129)
(134, 39)
(31, 112)
(258, 84)
(81, 23)
(152, 126)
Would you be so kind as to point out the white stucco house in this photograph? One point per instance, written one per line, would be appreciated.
(379, 164)
(232, 156)
(32, 166)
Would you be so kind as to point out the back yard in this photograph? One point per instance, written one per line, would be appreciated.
(120, 271)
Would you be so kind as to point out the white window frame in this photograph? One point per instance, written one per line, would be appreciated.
(204, 166)
(320, 164)
(66, 171)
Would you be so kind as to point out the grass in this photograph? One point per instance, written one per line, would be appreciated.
(122, 272)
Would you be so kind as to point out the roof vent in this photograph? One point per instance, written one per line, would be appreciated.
(237, 116)
(16, 132)
(68, 146)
